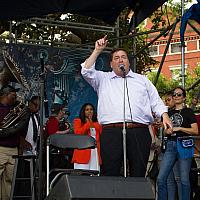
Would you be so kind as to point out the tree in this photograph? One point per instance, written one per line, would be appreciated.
(167, 13)
(46, 34)
(192, 77)
(165, 85)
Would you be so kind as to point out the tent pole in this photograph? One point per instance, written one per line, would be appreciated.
(194, 28)
(165, 51)
(183, 51)
(134, 41)
(40, 156)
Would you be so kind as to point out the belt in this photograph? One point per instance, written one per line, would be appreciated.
(172, 138)
(127, 125)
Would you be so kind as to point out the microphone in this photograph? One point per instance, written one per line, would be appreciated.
(122, 67)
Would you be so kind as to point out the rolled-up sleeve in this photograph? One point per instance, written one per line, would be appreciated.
(90, 75)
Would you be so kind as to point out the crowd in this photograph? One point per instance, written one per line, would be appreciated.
(128, 104)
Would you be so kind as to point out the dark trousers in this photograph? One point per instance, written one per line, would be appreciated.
(138, 142)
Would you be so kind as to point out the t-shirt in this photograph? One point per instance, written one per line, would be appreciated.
(182, 118)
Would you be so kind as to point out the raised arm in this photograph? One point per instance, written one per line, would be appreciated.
(99, 46)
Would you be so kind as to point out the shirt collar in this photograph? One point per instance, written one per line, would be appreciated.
(130, 74)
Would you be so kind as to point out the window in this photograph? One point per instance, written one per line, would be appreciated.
(176, 72)
(176, 48)
(153, 50)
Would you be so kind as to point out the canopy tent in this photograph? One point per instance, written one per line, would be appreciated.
(192, 13)
(105, 10)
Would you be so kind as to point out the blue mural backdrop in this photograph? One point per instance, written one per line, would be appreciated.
(63, 81)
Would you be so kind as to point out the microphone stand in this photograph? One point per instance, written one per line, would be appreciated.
(42, 88)
(124, 124)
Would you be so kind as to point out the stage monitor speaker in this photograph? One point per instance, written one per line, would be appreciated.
(71, 187)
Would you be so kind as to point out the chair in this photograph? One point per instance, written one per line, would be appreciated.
(68, 141)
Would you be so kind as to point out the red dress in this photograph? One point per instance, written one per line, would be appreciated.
(83, 156)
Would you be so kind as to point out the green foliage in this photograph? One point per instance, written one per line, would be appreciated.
(167, 13)
(157, 19)
(45, 32)
(143, 59)
(84, 35)
(191, 78)
(165, 85)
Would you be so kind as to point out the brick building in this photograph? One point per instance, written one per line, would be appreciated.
(172, 64)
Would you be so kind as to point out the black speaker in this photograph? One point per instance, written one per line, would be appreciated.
(101, 187)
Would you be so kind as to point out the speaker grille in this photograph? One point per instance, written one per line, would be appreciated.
(92, 187)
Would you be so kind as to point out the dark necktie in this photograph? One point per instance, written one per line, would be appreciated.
(35, 128)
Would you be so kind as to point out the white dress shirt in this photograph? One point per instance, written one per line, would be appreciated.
(29, 135)
(143, 96)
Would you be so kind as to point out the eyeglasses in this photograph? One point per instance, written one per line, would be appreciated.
(177, 94)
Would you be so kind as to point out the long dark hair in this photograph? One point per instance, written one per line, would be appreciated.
(82, 113)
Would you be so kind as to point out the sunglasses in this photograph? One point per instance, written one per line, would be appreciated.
(177, 94)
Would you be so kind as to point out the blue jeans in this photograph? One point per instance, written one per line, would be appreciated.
(166, 166)
(173, 183)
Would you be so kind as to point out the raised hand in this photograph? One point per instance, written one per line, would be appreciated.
(101, 43)
(89, 118)
(99, 46)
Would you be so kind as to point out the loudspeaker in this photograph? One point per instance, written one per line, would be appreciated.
(71, 187)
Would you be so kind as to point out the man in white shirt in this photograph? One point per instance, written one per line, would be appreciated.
(28, 146)
(29, 143)
(141, 99)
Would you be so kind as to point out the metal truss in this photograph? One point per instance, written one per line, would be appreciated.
(67, 24)
(12, 38)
